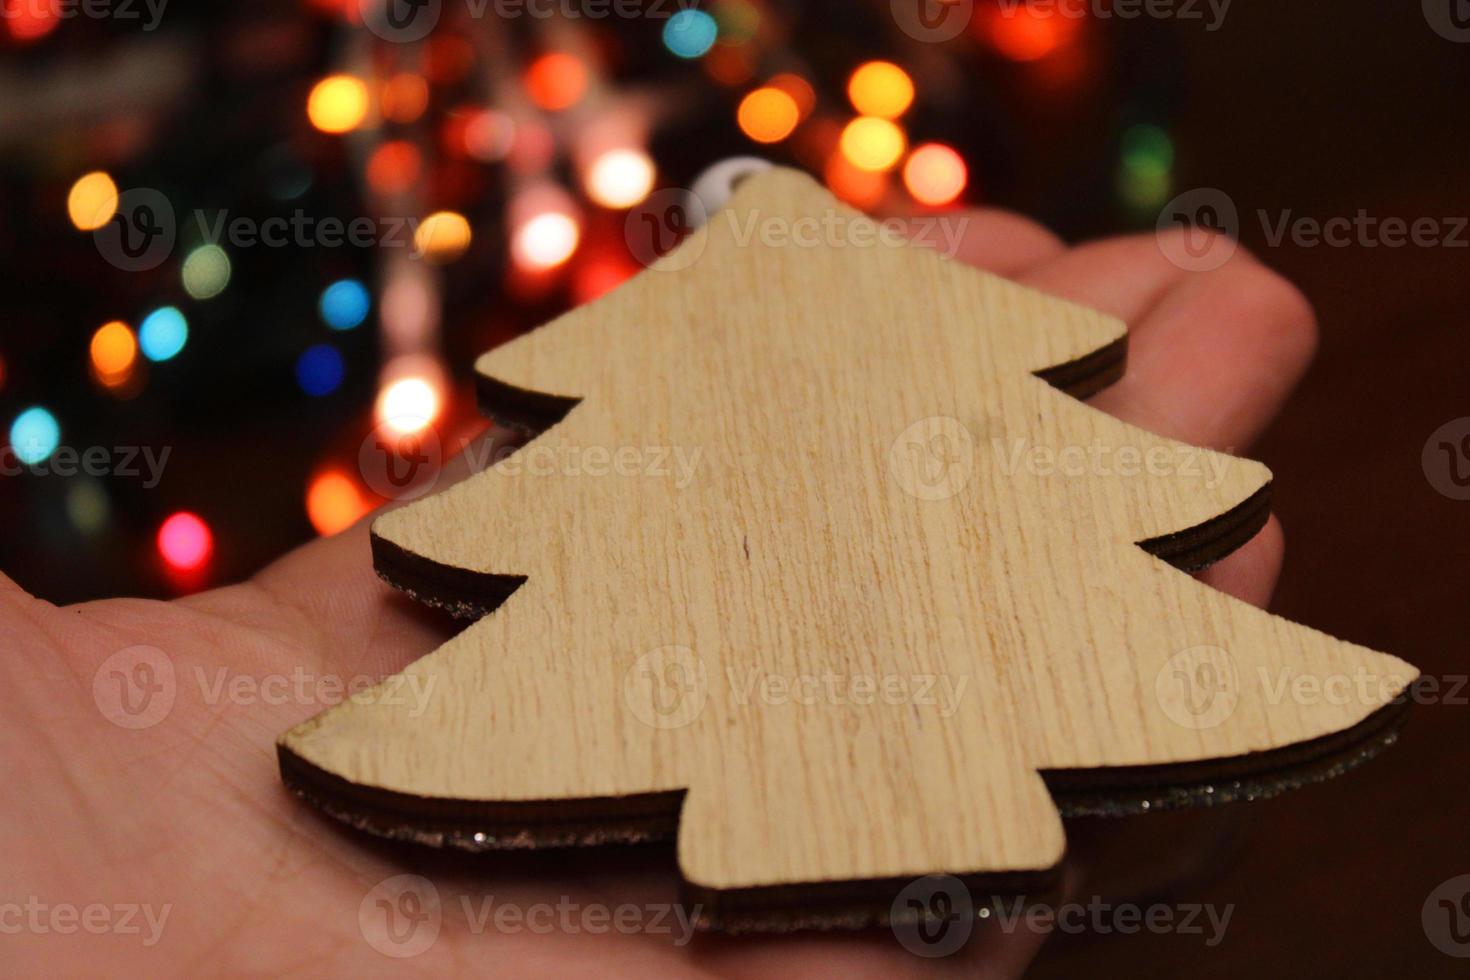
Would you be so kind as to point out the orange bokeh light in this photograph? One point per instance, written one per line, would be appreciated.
(768, 115)
(1025, 33)
(556, 81)
(114, 351)
(334, 503)
(394, 167)
(880, 88)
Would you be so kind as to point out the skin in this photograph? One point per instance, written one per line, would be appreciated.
(190, 813)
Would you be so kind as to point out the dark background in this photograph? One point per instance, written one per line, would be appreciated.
(1322, 108)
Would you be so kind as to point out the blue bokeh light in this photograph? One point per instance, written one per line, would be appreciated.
(345, 304)
(34, 435)
(690, 33)
(163, 333)
(319, 370)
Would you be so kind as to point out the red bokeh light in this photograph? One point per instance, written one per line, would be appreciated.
(185, 541)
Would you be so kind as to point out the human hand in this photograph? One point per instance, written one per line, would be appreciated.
(188, 814)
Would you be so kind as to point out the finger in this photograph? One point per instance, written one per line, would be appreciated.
(1251, 572)
(987, 238)
(1212, 355)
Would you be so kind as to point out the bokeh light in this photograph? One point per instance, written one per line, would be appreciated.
(319, 370)
(394, 167)
(334, 503)
(404, 97)
(1025, 33)
(880, 88)
(337, 104)
(185, 541)
(620, 178)
(690, 33)
(163, 333)
(489, 135)
(442, 237)
(206, 272)
(408, 405)
(27, 20)
(345, 304)
(114, 351)
(546, 241)
(870, 143)
(92, 201)
(1146, 172)
(799, 89)
(768, 115)
(556, 81)
(860, 188)
(935, 174)
(34, 435)
(87, 506)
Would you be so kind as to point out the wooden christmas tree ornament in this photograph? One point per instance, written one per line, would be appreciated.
(815, 564)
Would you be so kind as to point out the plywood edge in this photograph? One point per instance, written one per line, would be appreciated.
(490, 825)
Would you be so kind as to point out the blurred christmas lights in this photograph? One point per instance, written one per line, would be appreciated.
(34, 435)
(871, 143)
(337, 104)
(185, 541)
(334, 503)
(345, 304)
(114, 351)
(690, 33)
(935, 174)
(620, 178)
(92, 201)
(163, 333)
(556, 81)
(319, 370)
(442, 237)
(206, 272)
(880, 88)
(768, 115)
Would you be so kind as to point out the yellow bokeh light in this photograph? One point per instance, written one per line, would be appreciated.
(443, 236)
(768, 115)
(870, 143)
(546, 241)
(620, 178)
(92, 201)
(935, 174)
(337, 104)
(114, 351)
(881, 88)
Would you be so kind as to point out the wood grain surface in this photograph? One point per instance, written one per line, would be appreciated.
(818, 572)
